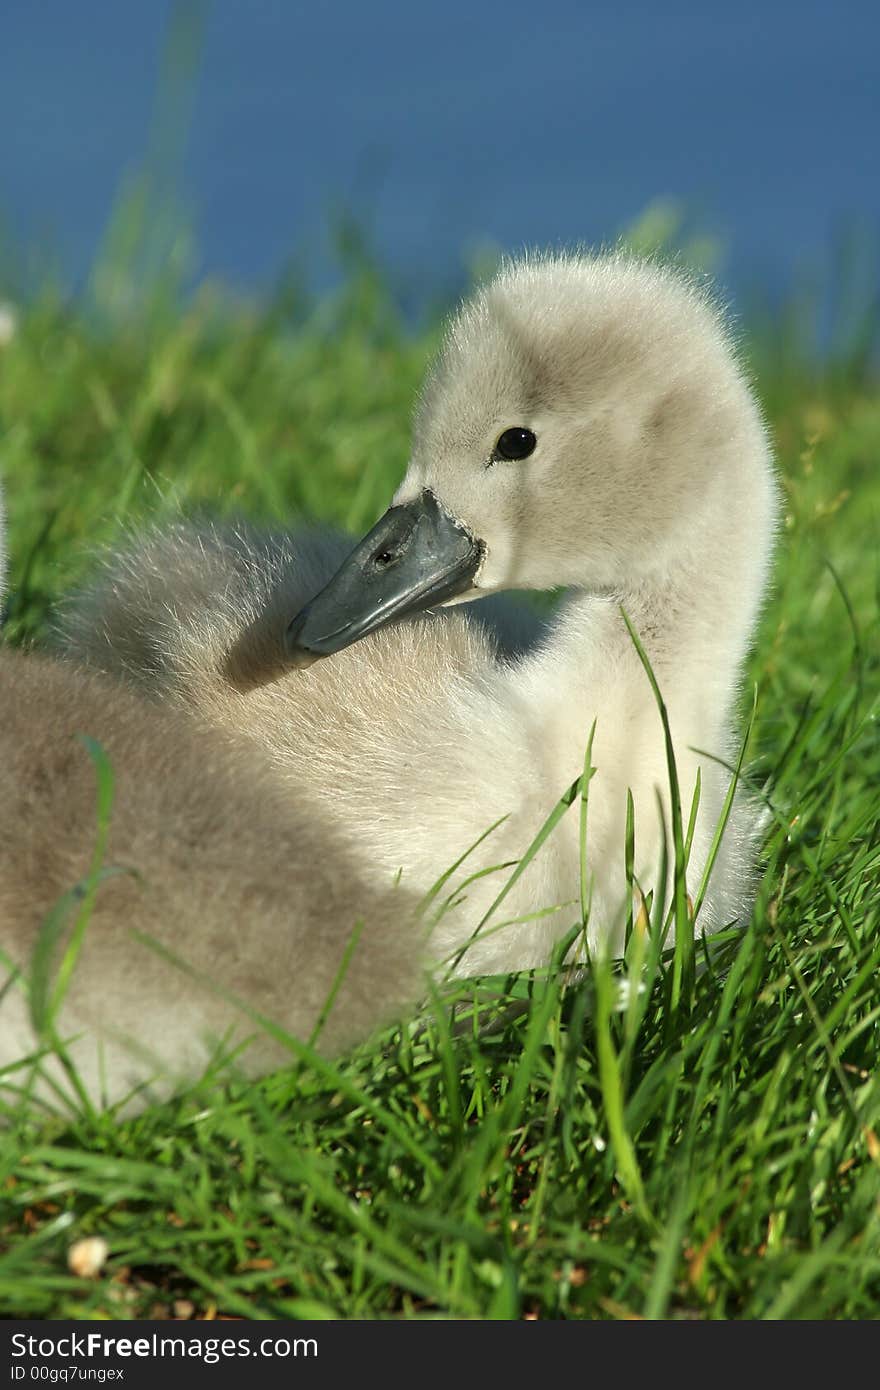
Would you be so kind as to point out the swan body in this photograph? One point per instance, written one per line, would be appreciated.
(252, 890)
(648, 487)
(195, 602)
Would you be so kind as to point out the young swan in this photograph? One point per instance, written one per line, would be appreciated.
(207, 856)
(587, 425)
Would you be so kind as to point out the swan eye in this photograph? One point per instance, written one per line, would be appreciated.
(515, 443)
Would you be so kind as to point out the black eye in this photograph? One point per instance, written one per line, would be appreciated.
(515, 443)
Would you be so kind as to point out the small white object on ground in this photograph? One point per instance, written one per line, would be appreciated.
(86, 1258)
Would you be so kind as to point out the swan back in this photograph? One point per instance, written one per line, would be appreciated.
(209, 858)
(185, 607)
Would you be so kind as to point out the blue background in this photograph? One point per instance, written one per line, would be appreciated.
(444, 126)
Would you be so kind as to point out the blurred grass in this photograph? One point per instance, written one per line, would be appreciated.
(720, 1160)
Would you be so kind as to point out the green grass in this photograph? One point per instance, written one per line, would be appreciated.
(710, 1151)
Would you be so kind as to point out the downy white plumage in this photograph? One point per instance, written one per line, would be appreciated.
(255, 895)
(587, 424)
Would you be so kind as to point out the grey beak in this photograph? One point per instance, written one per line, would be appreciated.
(416, 555)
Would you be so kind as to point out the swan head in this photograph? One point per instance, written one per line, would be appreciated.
(582, 418)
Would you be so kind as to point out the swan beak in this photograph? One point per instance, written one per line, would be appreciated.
(415, 556)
